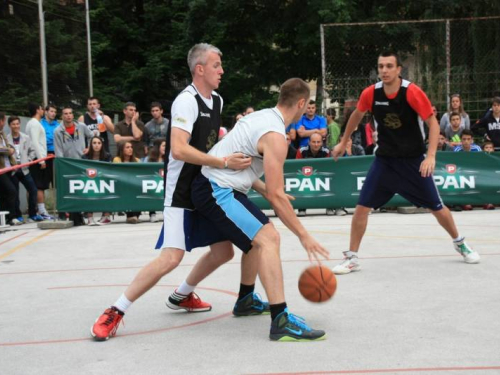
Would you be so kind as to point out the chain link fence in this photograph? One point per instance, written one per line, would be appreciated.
(20, 54)
(444, 57)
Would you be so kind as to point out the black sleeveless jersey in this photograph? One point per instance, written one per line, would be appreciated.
(399, 133)
(93, 125)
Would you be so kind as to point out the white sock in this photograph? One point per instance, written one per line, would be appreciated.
(122, 303)
(41, 208)
(185, 288)
(350, 254)
(459, 239)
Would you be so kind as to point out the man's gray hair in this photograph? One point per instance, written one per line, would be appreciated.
(198, 54)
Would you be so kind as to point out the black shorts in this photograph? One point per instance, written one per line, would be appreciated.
(389, 176)
(43, 177)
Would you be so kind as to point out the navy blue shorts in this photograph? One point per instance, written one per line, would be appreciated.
(390, 176)
(230, 212)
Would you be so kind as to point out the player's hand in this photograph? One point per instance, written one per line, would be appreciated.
(136, 117)
(43, 165)
(290, 197)
(85, 151)
(427, 166)
(313, 248)
(238, 161)
(337, 151)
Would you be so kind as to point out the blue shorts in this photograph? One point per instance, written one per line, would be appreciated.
(390, 176)
(229, 211)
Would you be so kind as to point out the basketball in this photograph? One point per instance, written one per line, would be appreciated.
(317, 284)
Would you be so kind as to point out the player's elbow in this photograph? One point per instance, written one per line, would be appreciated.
(177, 152)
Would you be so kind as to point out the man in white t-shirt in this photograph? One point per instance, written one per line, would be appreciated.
(219, 195)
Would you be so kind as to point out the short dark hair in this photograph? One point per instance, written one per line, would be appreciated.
(67, 107)
(50, 106)
(442, 133)
(155, 105)
(32, 108)
(2, 116)
(93, 98)
(389, 54)
(466, 132)
(129, 104)
(496, 100)
(331, 112)
(292, 90)
(11, 118)
(488, 143)
(454, 114)
(311, 102)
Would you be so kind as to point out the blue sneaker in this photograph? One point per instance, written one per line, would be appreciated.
(47, 217)
(289, 327)
(251, 304)
(20, 219)
(35, 218)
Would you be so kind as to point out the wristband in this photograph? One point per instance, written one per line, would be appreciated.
(225, 163)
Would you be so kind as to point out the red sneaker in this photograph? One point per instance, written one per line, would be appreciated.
(106, 325)
(191, 303)
(467, 207)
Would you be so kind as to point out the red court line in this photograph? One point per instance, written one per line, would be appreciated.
(148, 332)
(386, 371)
(233, 263)
(13, 238)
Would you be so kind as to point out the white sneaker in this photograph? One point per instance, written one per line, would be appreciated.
(15, 222)
(92, 222)
(330, 212)
(340, 212)
(348, 265)
(153, 218)
(470, 256)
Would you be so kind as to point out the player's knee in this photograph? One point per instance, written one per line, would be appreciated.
(170, 259)
(224, 255)
(267, 236)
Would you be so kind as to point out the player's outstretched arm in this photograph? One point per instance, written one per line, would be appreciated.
(182, 150)
(274, 148)
(352, 124)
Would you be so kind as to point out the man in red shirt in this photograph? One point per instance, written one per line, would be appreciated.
(401, 165)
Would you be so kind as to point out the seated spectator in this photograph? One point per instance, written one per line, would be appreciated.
(359, 134)
(371, 138)
(333, 129)
(491, 124)
(248, 111)
(126, 154)
(8, 191)
(454, 130)
(24, 154)
(443, 143)
(97, 152)
(292, 151)
(156, 155)
(488, 148)
(455, 106)
(71, 137)
(314, 150)
(467, 144)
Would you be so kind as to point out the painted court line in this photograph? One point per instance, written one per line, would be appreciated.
(386, 371)
(148, 332)
(13, 238)
(27, 243)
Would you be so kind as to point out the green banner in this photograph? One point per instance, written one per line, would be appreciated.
(82, 185)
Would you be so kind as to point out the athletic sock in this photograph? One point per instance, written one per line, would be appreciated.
(185, 289)
(459, 239)
(277, 309)
(350, 254)
(41, 209)
(122, 304)
(245, 290)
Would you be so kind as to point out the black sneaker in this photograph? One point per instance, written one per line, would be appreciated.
(251, 304)
(289, 327)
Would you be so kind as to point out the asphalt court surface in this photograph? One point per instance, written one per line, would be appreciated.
(414, 308)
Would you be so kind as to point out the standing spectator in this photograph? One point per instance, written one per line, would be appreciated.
(454, 130)
(126, 155)
(455, 106)
(309, 124)
(8, 191)
(292, 151)
(443, 143)
(71, 137)
(156, 155)
(97, 152)
(467, 144)
(131, 129)
(50, 124)
(95, 119)
(333, 128)
(158, 126)
(313, 150)
(24, 154)
(492, 123)
(41, 172)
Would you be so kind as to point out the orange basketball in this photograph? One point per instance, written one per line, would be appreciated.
(317, 284)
